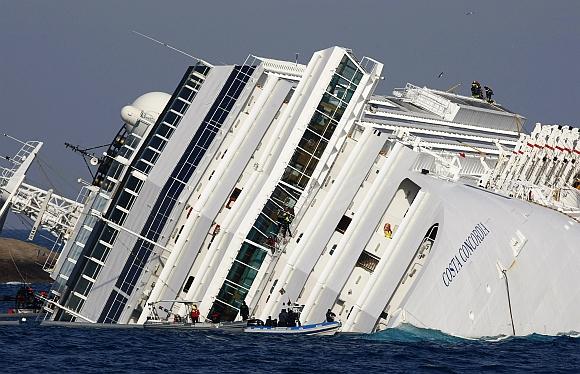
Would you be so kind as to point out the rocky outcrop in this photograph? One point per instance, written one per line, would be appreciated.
(20, 260)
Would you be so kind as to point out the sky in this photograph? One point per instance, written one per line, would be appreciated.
(67, 67)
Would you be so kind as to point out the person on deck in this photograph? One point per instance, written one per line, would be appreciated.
(244, 311)
(330, 316)
(269, 322)
(476, 90)
(488, 94)
(194, 314)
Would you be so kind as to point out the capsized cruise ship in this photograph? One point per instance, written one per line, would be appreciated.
(273, 182)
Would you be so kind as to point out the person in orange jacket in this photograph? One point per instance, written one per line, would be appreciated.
(194, 314)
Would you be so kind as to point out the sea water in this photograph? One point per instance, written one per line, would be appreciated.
(33, 348)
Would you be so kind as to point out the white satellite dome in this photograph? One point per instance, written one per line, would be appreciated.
(152, 102)
(146, 108)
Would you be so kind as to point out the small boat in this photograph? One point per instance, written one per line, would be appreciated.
(27, 307)
(227, 326)
(186, 321)
(323, 328)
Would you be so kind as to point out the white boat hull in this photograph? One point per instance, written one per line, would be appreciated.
(324, 328)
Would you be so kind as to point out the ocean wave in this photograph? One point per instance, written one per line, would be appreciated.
(408, 333)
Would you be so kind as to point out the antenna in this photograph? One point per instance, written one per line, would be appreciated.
(173, 48)
(452, 88)
(84, 152)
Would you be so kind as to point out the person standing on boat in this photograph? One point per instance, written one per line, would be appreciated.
(330, 316)
(194, 314)
(244, 311)
(283, 318)
(291, 321)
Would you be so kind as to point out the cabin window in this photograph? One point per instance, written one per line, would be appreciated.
(428, 241)
(367, 261)
(233, 197)
(188, 283)
(343, 224)
(332, 250)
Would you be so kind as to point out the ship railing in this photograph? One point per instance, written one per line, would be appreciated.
(58, 215)
(549, 197)
(368, 64)
(22, 154)
(423, 98)
(444, 165)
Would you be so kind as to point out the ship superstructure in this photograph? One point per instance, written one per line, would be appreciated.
(275, 184)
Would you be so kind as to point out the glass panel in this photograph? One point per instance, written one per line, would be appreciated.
(291, 176)
(157, 143)
(318, 123)
(179, 106)
(143, 167)
(309, 141)
(300, 160)
(150, 155)
(339, 112)
(272, 210)
(118, 216)
(100, 252)
(67, 268)
(330, 130)
(284, 197)
(134, 184)
(328, 104)
(75, 251)
(320, 148)
(83, 286)
(171, 118)
(186, 93)
(91, 269)
(311, 167)
(126, 200)
(225, 312)
(348, 95)
(75, 303)
(242, 274)
(165, 130)
(83, 236)
(100, 203)
(259, 238)
(232, 294)
(303, 182)
(115, 170)
(132, 141)
(338, 86)
(251, 255)
(357, 77)
(266, 225)
(109, 235)
(347, 68)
